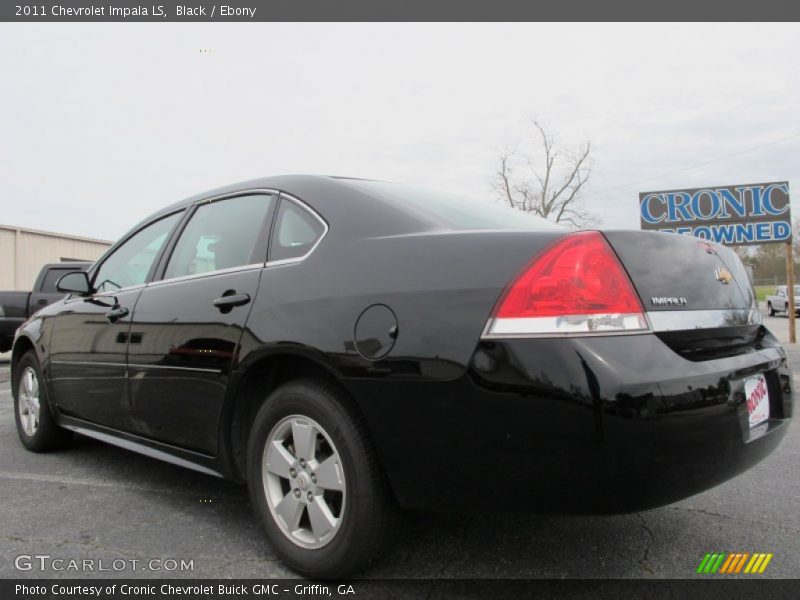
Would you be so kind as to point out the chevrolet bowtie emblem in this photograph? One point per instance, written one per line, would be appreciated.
(723, 275)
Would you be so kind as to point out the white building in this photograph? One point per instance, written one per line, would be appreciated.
(24, 251)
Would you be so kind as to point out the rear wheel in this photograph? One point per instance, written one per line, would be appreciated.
(36, 426)
(770, 310)
(315, 482)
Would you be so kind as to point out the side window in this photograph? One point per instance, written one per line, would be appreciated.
(129, 264)
(222, 235)
(296, 232)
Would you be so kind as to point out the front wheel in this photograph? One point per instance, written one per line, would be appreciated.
(36, 426)
(315, 482)
(770, 310)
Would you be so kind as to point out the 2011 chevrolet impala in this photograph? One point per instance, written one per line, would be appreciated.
(349, 346)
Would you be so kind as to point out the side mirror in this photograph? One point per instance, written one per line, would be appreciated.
(76, 282)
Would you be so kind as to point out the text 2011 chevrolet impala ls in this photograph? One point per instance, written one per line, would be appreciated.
(348, 346)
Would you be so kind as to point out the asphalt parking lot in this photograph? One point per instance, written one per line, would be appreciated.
(97, 501)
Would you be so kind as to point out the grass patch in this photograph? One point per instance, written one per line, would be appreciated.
(762, 291)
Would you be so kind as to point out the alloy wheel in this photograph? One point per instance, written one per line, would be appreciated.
(304, 481)
(29, 401)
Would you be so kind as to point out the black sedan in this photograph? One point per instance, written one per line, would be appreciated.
(348, 347)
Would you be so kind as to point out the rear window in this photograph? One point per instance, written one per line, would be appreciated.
(295, 234)
(454, 211)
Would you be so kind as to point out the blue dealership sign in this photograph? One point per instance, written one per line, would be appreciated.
(734, 215)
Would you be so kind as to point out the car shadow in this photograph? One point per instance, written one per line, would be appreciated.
(429, 545)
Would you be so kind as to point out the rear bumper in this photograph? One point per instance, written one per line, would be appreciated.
(581, 425)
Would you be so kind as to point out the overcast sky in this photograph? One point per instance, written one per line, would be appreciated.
(103, 124)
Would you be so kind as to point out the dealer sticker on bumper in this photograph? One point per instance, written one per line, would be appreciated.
(755, 390)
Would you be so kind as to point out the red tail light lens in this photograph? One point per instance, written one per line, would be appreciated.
(577, 285)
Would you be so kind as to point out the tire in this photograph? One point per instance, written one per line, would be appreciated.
(770, 310)
(363, 507)
(37, 432)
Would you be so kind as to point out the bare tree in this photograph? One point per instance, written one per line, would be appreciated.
(550, 187)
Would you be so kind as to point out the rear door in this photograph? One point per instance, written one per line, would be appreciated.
(90, 334)
(187, 325)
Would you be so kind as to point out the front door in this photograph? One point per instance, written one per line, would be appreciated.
(187, 326)
(89, 336)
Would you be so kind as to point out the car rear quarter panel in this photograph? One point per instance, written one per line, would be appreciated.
(442, 287)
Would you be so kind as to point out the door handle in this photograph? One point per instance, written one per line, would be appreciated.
(117, 313)
(230, 299)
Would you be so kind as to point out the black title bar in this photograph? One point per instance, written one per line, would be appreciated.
(708, 588)
(396, 10)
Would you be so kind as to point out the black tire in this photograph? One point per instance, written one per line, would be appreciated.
(47, 435)
(770, 310)
(369, 516)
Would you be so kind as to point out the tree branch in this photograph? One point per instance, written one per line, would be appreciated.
(539, 194)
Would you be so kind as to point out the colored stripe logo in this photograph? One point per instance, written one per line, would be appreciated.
(734, 562)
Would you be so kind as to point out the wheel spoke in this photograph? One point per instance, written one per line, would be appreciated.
(279, 460)
(34, 385)
(290, 509)
(329, 474)
(321, 518)
(305, 440)
(27, 381)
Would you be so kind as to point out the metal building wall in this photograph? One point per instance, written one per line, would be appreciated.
(24, 251)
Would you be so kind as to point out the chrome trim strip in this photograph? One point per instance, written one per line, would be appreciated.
(582, 326)
(140, 448)
(74, 296)
(682, 320)
(208, 274)
(111, 293)
(135, 365)
(226, 195)
(313, 213)
(87, 363)
(570, 325)
(175, 368)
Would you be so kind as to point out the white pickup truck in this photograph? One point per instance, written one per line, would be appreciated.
(779, 301)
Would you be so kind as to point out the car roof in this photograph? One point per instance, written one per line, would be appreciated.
(355, 211)
(352, 206)
(282, 183)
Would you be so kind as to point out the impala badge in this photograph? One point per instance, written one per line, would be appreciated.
(668, 301)
(723, 275)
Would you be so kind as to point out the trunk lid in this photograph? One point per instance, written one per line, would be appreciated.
(698, 296)
(674, 272)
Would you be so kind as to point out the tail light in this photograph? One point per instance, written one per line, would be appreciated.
(575, 286)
